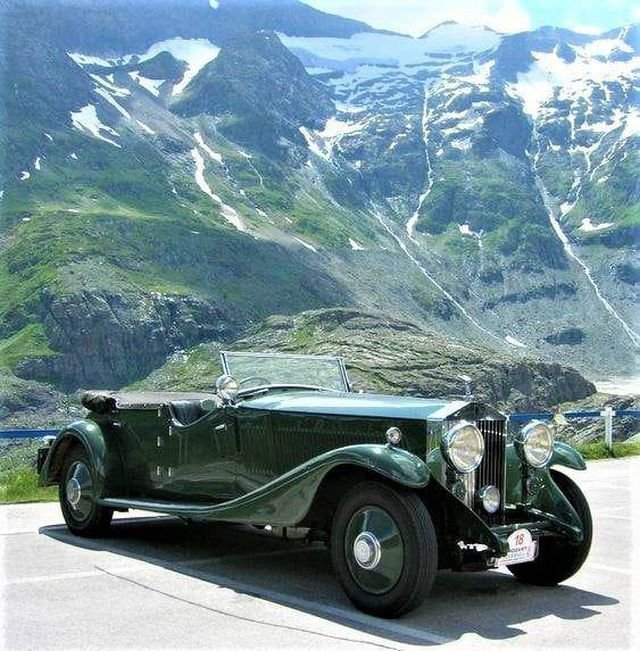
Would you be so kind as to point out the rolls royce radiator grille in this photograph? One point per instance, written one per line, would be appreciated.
(492, 468)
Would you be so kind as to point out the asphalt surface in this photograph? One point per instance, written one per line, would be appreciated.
(158, 583)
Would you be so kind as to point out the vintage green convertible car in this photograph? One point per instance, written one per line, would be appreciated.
(399, 487)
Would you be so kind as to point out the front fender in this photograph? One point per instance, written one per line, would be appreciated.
(88, 434)
(565, 455)
(285, 501)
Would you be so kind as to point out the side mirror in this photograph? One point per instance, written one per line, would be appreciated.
(227, 388)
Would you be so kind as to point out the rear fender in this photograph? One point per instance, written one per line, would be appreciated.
(83, 432)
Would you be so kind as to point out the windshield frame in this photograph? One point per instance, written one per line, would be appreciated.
(330, 358)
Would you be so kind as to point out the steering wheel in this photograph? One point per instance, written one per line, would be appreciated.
(258, 379)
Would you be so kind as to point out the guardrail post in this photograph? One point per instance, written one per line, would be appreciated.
(608, 415)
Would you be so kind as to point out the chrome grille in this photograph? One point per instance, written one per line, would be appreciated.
(492, 468)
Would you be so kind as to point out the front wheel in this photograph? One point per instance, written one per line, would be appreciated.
(384, 548)
(558, 560)
(78, 496)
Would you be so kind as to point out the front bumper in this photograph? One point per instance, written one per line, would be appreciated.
(473, 556)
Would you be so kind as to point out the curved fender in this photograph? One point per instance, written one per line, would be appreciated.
(393, 463)
(565, 455)
(287, 499)
(91, 437)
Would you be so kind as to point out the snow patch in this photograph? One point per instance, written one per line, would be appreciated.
(123, 111)
(73, 155)
(37, 163)
(365, 48)
(589, 227)
(619, 386)
(214, 155)
(88, 60)
(355, 245)
(632, 125)
(144, 127)
(227, 211)
(214, 4)
(413, 220)
(512, 341)
(306, 244)
(24, 175)
(118, 91)
(195, 52)
(565, 207)
(604, 47)
(312, 144)
(86, 120)
(335, 129)
(572, 79)
(48, 136)
(152, 85)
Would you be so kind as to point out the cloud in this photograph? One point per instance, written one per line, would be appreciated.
(417, 16)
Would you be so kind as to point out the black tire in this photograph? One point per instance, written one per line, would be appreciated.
(558, 560)
(406, 553)
(83, 515)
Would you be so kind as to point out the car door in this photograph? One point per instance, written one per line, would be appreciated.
(206, 454)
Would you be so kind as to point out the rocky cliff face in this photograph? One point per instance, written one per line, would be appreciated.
(389, 356)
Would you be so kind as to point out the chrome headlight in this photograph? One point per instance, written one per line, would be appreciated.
(463, 447)
(534, 444)
(489, 497)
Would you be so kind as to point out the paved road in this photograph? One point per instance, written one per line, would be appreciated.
(157, 583)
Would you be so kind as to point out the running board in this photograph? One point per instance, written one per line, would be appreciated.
(157, 506)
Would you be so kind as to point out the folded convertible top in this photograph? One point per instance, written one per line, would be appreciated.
(103, 402)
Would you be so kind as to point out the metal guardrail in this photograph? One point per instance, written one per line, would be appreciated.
(607, 414)
(522, 417)
(26, 433)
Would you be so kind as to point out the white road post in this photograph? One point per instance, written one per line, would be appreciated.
(608, 415)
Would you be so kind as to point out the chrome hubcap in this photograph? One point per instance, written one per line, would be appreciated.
(74, 492)
(367, 550)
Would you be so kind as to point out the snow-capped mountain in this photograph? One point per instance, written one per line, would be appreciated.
(176, 171)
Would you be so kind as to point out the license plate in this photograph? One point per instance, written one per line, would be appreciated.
(522, 548)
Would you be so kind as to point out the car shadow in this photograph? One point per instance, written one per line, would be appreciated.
(299, 575)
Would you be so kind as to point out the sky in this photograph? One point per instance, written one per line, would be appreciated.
(417, 16)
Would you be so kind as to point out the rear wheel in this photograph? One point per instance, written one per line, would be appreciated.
(558, 559)
(384, 548)
(78, 496)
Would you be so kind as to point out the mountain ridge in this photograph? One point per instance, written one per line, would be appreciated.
(485, 189)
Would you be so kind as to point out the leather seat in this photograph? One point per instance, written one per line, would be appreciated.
(187, 412)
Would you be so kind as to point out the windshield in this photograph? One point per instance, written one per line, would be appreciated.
(264, 369)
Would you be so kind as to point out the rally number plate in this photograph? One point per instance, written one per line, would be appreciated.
(522, 548)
